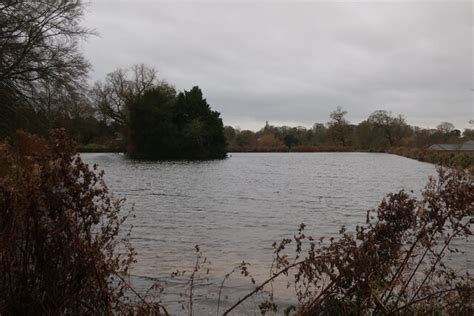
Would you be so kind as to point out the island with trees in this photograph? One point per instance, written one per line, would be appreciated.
(153, 121)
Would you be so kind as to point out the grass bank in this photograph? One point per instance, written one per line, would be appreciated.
(464, 160)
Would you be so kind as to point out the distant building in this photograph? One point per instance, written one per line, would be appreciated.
(467, 146)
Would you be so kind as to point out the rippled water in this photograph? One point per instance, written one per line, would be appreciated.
(236, 208)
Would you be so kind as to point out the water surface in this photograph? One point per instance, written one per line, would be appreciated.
(234, 209)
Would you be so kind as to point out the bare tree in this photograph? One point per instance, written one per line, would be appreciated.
(339, 126)
(393, 128)
(40, 51)
(445, 127)
(119, 90)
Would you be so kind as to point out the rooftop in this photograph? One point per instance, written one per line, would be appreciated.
(467, 146)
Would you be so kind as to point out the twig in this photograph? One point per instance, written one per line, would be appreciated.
(191, 285)
(258, 288)
(140, 297)
(220, 288)
(320, 297)
(401, 267)
(423, 299)
(440, 255)
(407, 283)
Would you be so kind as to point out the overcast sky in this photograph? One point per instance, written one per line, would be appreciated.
(294, 62)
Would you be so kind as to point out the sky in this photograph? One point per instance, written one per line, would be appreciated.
(292, 63)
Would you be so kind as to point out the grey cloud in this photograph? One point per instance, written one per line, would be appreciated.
(295, 62)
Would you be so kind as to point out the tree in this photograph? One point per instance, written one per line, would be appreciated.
(446, 130)
(339, 127)
(230, 134)
(40, 57)
(368, 137)
(269, 142)
(246, 139)
(202, 128)
(290, 140)
(120, 89)
(166, 126)
(318, 132)
(456, 133)
(445, 127)
(468, 133)
(393, 128)
(152, 129)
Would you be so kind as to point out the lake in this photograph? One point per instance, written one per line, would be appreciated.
(234, 209)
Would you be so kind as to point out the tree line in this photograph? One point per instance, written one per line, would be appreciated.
(381, 130)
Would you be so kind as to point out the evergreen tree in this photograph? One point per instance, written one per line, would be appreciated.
(166, 126)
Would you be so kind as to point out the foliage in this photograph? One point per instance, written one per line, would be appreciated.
(166, 126)
(395, 264)
(61, 251)
(468, 133)
(268, 142)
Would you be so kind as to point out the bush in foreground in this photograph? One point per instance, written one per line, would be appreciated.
(398, 263)
(60, 247)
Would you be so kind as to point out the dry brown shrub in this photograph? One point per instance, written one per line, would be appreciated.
(61, 251)
(397, 263)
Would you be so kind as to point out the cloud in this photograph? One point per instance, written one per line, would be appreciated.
(295, 62)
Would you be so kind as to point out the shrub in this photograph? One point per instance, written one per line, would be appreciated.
(60, 248)
(395, 264)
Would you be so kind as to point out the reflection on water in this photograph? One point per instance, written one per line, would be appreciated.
(236, 208)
